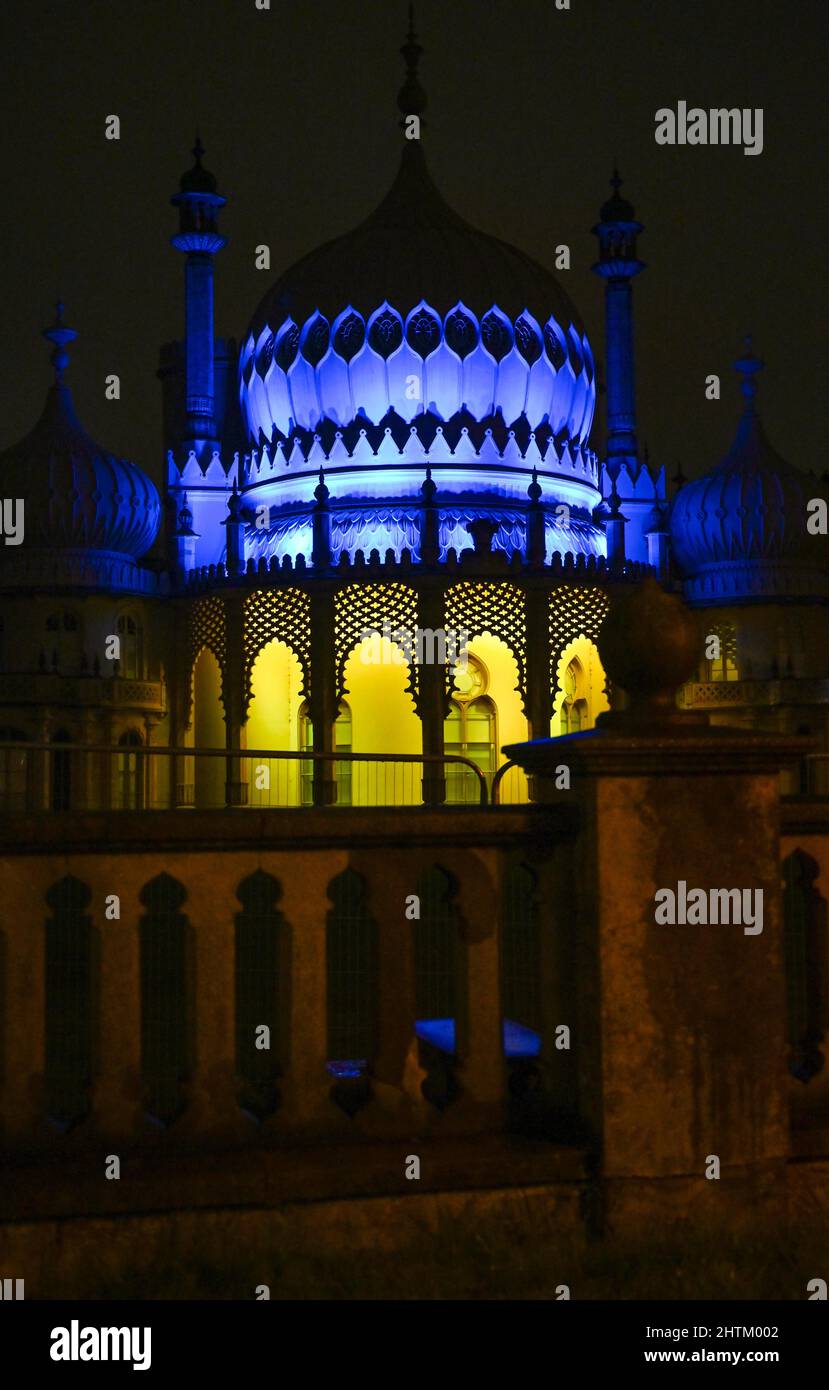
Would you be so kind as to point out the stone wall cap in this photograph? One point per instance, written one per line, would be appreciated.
(690, 748)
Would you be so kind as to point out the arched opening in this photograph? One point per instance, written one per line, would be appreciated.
(129, 772)
(383, 720)
(580, 695)
(208, 730)
(60, 791)
(274, 723)
(494, 715)
(131, 638)
(470, 731)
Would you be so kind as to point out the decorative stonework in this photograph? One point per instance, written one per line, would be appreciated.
(206, 627)
(283, 615)
(496, 608)
(359, 608)
(574, 612)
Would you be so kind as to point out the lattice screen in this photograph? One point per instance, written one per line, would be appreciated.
(284, 614)
(497, 608)
(368, 607)
(574, 612)
(206, 627)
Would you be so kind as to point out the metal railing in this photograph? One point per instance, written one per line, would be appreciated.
(55, 777)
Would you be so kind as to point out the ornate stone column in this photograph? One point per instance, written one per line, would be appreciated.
(432, 700)
(233, 692)
(323, 702)
(678, 1017)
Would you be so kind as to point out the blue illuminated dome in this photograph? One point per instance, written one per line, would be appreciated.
(87, 514)
(416, 291)
(740, 531)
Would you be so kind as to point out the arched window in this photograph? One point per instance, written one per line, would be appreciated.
(65, 642)
(723, 665)
(574, 712)
(260, 992)
(129, 770)
(342, 744)
(166, 1002)
(69, 1021)
(469, 730)
(14, 771)
(61, 773)
(132, 655)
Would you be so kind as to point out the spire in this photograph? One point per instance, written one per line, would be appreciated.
(411, 99)
(617, 208)
(198, 179)
(60, 335)
(748, 366)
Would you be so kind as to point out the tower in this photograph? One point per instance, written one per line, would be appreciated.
(617, 231)
(198, 237)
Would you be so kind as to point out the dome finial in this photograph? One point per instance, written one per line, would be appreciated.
(411, 99)
(748, 366)
(197, 150)
(60, 335)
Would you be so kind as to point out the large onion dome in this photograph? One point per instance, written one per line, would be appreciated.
(740, 532)
(417, 341)
(416, 292)
(87, 514)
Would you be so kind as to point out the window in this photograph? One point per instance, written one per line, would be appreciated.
(342, 744)
(574, 711)
(469, 731)
(65, 650)
(132, 656)
(129, 772)
(724, 666)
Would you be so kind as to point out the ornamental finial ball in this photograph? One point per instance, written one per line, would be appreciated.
(650, 644)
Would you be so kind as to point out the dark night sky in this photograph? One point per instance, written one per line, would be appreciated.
(527, 108)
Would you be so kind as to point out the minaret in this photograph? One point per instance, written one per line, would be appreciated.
(198, 204)
(617, 230)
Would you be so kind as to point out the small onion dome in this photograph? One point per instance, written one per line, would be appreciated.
(741, 530)
(76, 495)
(197, 179)
(617, 208)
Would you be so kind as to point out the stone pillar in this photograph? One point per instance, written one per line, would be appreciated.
(236, 786)
(481, 1069)
(432, 701)
(679, 1028)
(306, 1086)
